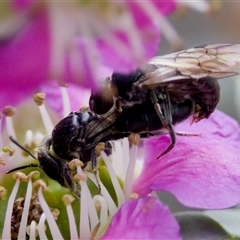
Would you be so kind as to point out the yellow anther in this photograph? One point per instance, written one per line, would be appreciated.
(33, 175)
(75, 163)
(55, 213)
(8, 111)
(99, 147)
(3, 193)
(134, 196)
(2, 161)
(134, 138)
(80, 177)
(68, 199)
(8, 149)
(40, 183)
(39, 98)
(21, 176)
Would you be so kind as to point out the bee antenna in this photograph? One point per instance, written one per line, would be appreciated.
(22, 147)
(22, 167)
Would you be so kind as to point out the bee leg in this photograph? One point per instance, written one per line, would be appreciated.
(183, 134)
(172, 134)
(165, 117)
(158, 108)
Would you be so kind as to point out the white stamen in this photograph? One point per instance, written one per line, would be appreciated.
(116, 185)
(93, 217)
(111, 40)
(130, 171)
(72, 223)
(65, 101)
(32, 233)
(167, 29)
(6, 233)
(10, 128)
(200, 6)
(23, 223)
(103, 212)
(46, 119)
(51, 222)
(120, 158)
(28, 137)
(84, 220)
(112, 208)
(42, 227)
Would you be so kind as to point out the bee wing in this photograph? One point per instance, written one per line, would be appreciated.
(216, 61)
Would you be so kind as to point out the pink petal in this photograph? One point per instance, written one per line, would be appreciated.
(23, 4)
(202, 171)
(144, 218)
(149, 34)
(78, 97)
(24, 61)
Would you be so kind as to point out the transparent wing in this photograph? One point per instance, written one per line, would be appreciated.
(216, 61)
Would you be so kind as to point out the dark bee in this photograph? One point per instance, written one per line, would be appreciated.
(148, 102)
(75, 136)
(170, 80)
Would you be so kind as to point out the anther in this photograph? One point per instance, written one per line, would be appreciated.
(134, 196)
(68, 199)
(8, 149)
(33, 175)
(3, 193)
(134, 138)
(75, 163)
(39, 98)
(40, 183)
(55, 213)
(80, 177)
(99, 147)
(8, 111)
(21, 176)
(2, 161)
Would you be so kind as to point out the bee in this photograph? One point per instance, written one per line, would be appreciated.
(75, 136)
(148, 102)
(170, 80)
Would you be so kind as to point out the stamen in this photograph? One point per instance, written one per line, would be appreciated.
(84, 220)
(8, 149)
(134, 196)
(2, 161)
(116, 185)
(44, 114)
(166, 28)
(9, 111)
(6, 232)
(42, 227)
(130, 171)
(112, 208)
(102, 204)
(23, 223)
(74, 163)
(39, 98)
(3, 193)
(32, 231)
(65, 101)
(67, 200)
(51, 222)
(120, 156)
(200, 6)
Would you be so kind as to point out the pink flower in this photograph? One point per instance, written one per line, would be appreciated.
(202, 172)
(60, 41)
(198, 174)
